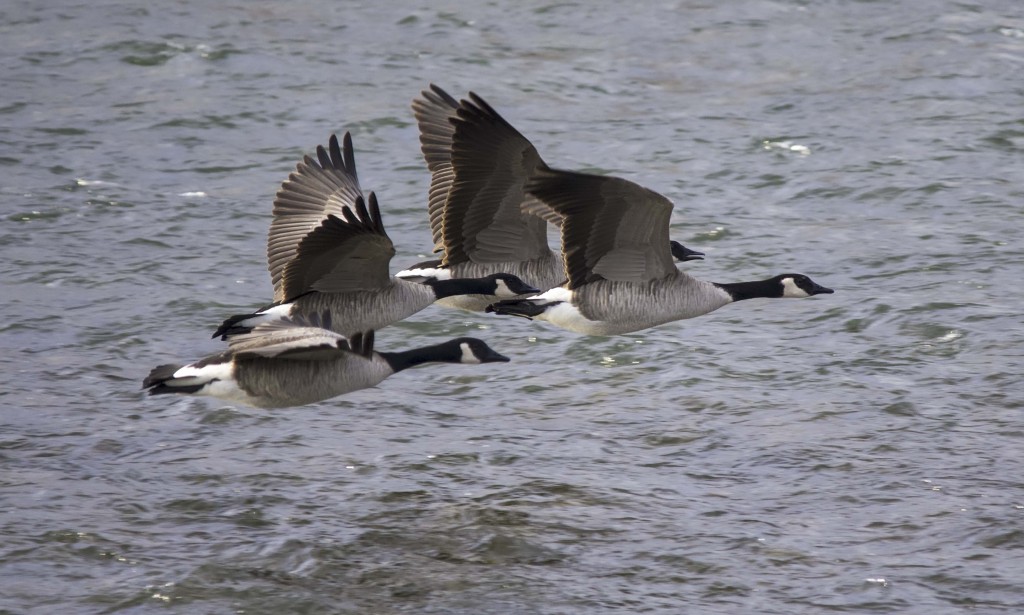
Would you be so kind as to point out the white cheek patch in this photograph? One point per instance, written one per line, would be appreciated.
(791, 290)
(502, 290)
(468, 356)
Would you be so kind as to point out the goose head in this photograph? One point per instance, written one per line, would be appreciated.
(785, 285)
(459, 350)
(798, 286)
(507, 286)
(470, 350)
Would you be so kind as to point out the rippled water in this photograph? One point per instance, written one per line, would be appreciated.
(859, 452)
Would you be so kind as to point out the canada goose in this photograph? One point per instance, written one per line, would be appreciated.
(479, 166)
(298, 361)
(621, 278)
(327, 250)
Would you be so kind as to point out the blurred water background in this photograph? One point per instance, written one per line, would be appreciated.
(861, 452)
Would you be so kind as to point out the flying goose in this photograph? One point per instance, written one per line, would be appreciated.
(621, 277)
(296, 361)
(479, 167)
(328, 251)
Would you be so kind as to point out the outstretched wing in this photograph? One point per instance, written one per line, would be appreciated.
(612, 228)
(347, 252)
(317, 189)
(484, 219)
(434, 111)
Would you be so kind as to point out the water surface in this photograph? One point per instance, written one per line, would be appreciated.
(859, 452)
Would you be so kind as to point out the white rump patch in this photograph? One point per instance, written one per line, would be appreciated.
(191, 375)
(278, 311)
(562, 312)
(219, 381)
(423, 274)
(228, 390)
(558, 293)
(468, 356)
(272, 314)
(567, 316)
(791, 290)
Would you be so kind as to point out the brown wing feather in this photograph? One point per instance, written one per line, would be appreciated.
(611, 228)
(434, 110)
(484, 219)
(344, 254)
(296, 338)
(317, 189)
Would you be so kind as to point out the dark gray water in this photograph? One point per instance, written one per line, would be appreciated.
(861, 452)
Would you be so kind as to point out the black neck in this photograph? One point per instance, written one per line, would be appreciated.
(418, 356)
(739, 291)
(461, 286)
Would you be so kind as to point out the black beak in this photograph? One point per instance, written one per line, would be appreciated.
(529, 290)
(683, 254)
(818, 289)
(494, 357)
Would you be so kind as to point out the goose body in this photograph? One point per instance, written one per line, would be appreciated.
(482, 218)
(374, 308)
(614, 308)
(327, 250)
(620, 274)
(300, 361)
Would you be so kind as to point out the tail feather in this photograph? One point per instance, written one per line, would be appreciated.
(234, 325)
(161, 380)
(524, 308)
(160, 373)
(162, 389)
(191, 378)
(244, 323)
